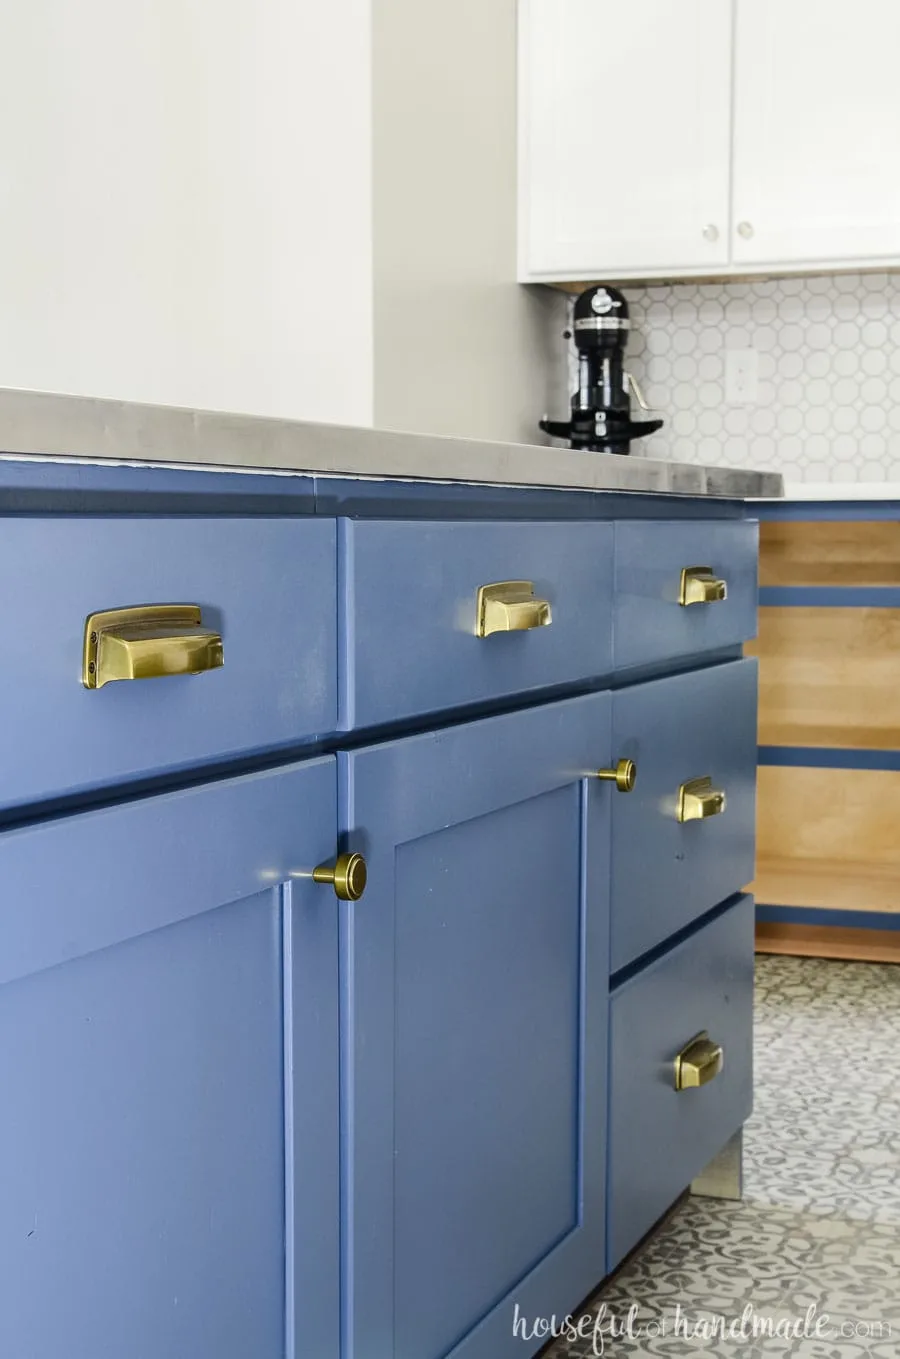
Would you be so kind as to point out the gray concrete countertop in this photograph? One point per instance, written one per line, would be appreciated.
(48, 425)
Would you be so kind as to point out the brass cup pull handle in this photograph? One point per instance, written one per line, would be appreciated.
(698, 1063)
(624, 775)
(148, 643)
(510, 606)
(348, 876)
(698, 800)
(700, 586)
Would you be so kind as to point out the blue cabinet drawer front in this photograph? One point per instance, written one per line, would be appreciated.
(661, 1138)
(267, 585)
(650, 623)
(665, 872)
(409, 642)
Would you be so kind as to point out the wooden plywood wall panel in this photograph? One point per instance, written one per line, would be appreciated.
(829, 677)
(827, 884)
(829, 838)
(826, 941)
(830, 553)
(829, 814)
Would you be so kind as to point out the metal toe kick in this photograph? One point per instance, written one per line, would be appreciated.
(723, 1178)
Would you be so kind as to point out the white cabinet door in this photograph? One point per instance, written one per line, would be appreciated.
(817, 130)
(625, 119)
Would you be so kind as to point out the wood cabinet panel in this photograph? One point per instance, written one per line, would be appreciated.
(828, 838)
(829, 814)
(828, 677)
(827, 884)
(832, 552)
(828, 941)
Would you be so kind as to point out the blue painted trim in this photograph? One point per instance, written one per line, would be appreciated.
(357, 498)
(830, 596)
(816, 757)
(819, 511)
(816, 915)
(36, 486)
(18, 474)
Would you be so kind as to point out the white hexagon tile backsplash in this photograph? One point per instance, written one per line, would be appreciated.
(828, 401)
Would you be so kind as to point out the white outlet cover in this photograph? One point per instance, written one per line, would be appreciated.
(741, 377)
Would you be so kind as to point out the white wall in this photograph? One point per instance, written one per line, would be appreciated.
(460, 347)
(185, 202)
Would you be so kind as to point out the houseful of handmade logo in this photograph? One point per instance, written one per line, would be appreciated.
(602, 1327)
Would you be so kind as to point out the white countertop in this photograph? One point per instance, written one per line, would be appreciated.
(842, 490)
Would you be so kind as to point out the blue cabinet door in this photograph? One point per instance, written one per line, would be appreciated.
(474, 1004)
(169, 1127)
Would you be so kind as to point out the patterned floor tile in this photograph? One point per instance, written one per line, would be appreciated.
(813, 1250)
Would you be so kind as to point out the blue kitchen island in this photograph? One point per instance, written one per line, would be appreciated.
(375, 966)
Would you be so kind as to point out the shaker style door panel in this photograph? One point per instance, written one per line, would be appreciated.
(817, 125)
(683, 838)
(474, 1047)
(149, 1077)
(625, 117)
(265, 587)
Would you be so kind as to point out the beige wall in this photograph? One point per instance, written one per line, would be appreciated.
(460, 347)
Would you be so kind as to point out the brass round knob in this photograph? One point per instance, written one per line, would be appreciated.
(348, 876)
(624, 776)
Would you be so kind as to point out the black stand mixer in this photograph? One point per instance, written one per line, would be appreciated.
(601, 407)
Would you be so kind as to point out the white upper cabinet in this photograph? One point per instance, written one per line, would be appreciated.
(678, 138)
(625, 109)
(816, 131)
